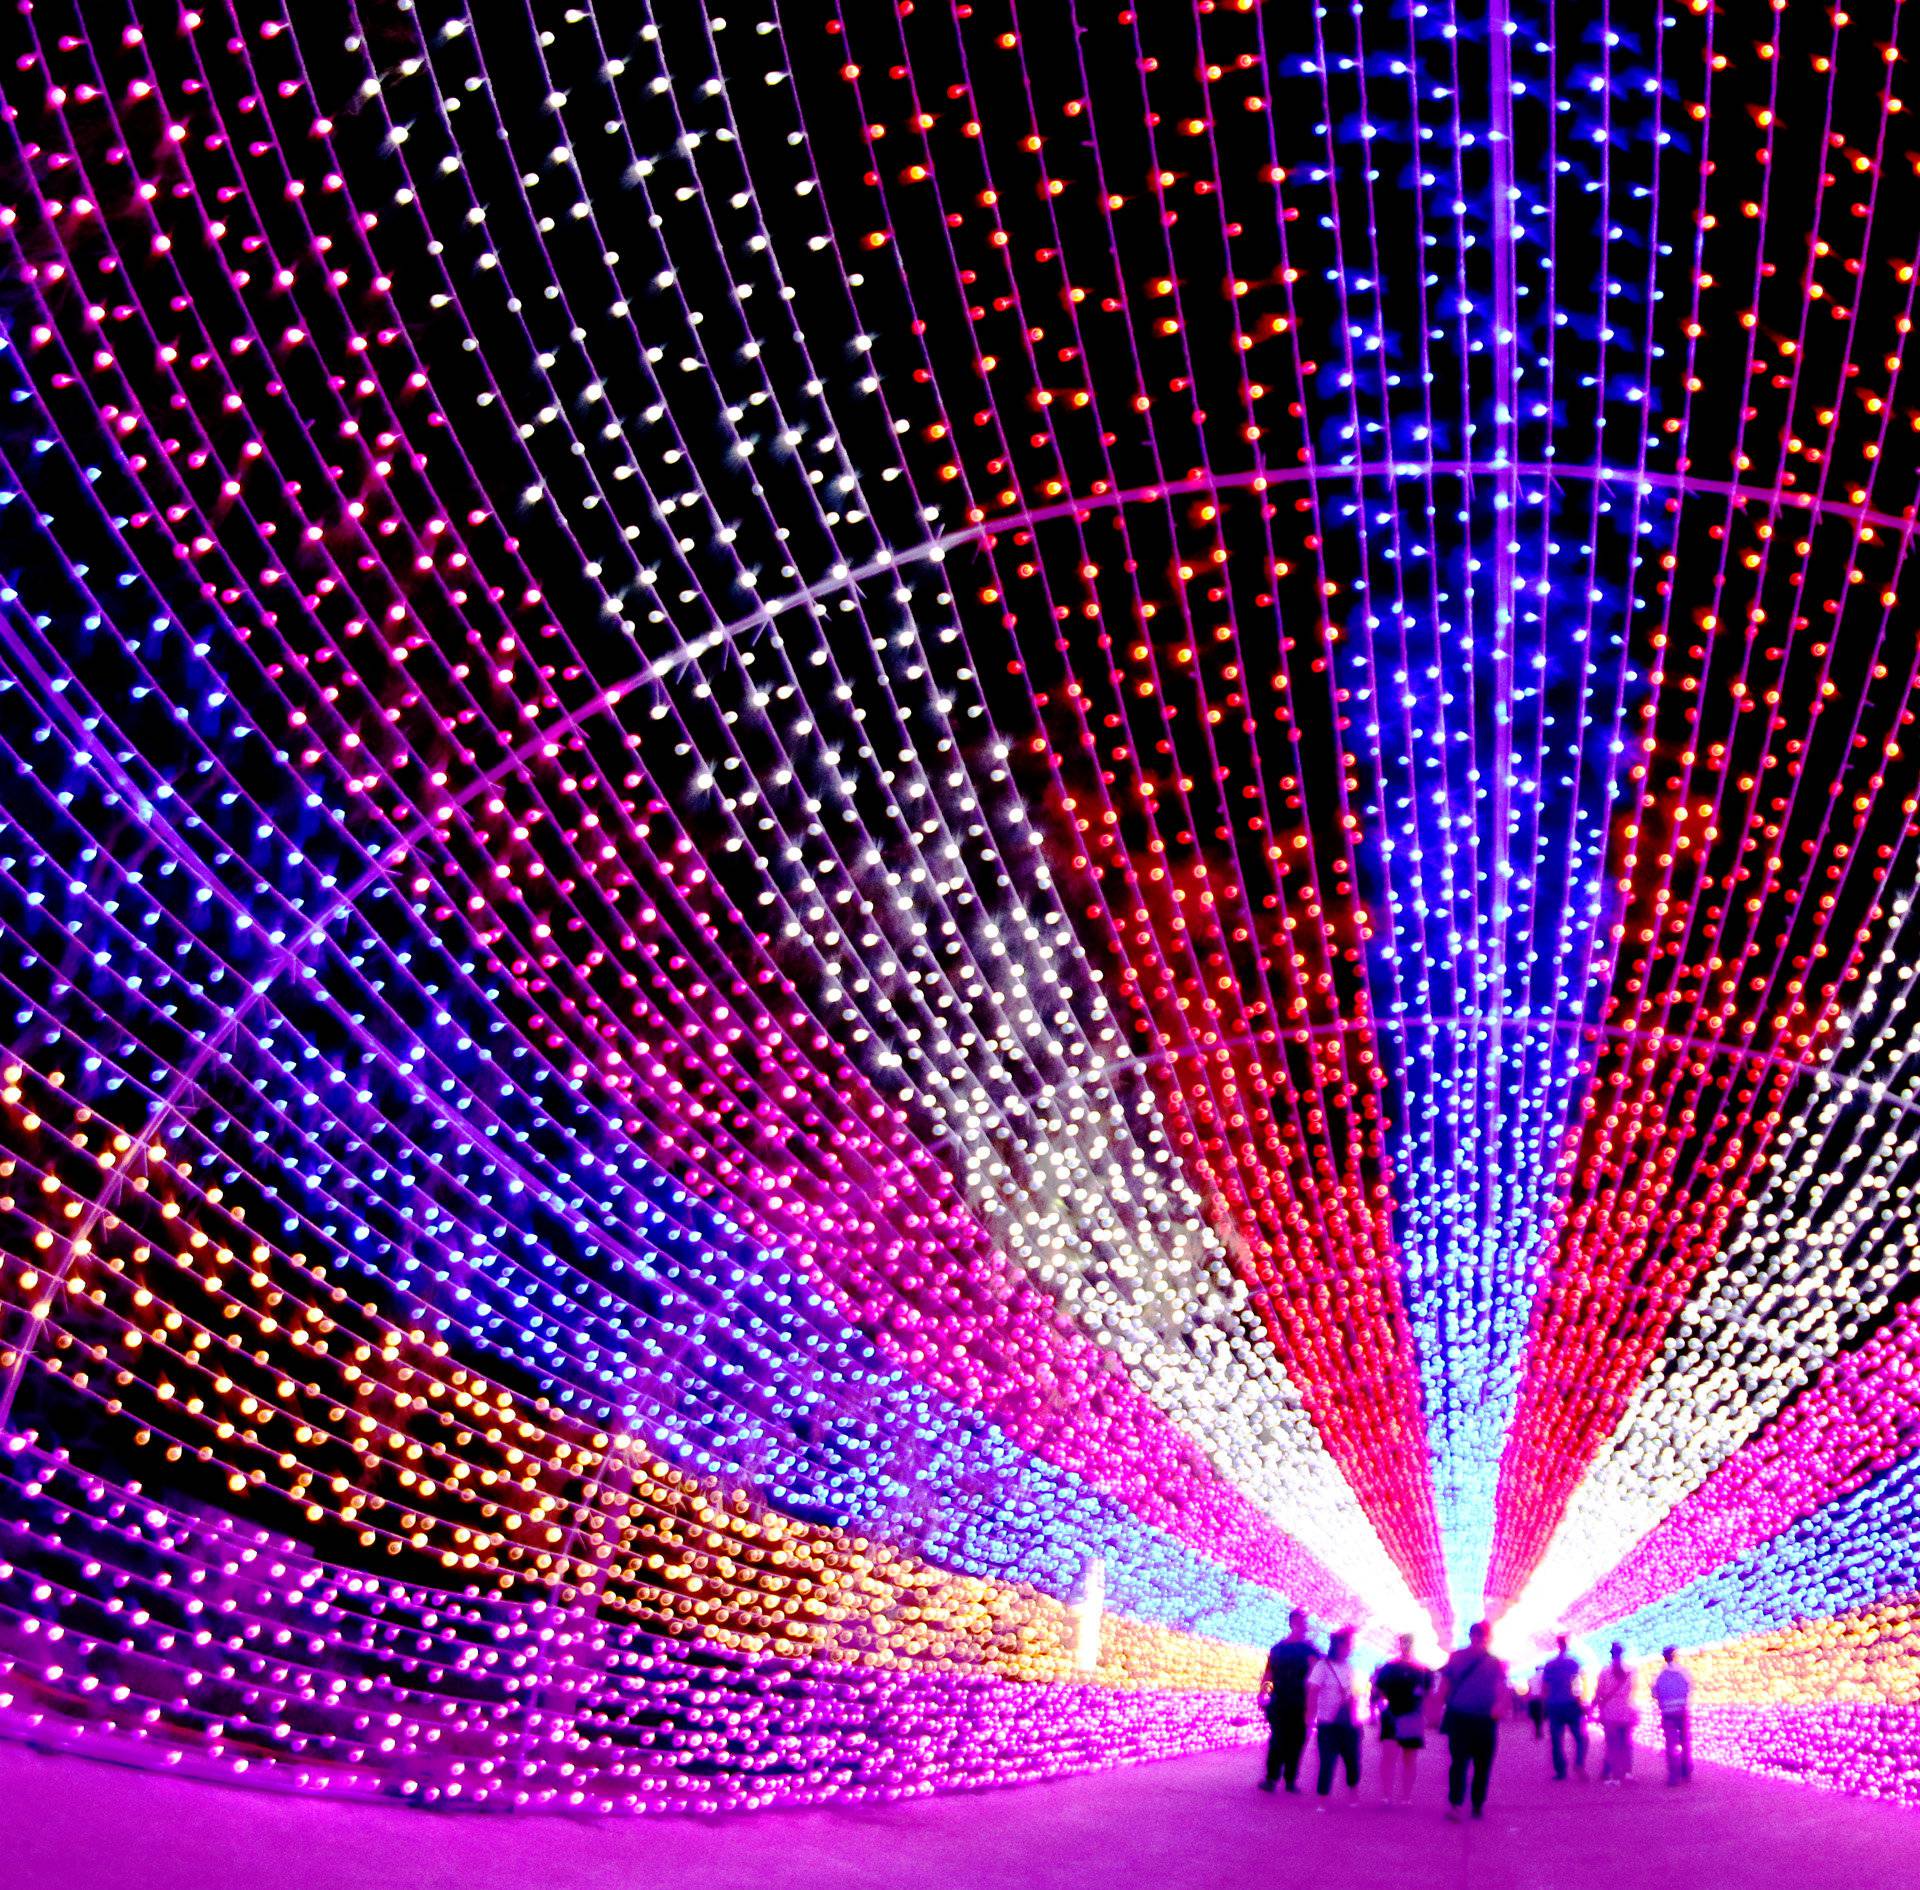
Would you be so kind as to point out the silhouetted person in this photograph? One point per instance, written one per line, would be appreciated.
(1673, 1694)
(1283, 1697)
(1566, 1711)
(1400, 1689)
(1537, 1708)
(1613, 1707)
(1332, 1713)
(1473, 1686)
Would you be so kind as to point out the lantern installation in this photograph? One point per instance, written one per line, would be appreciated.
(860, 864)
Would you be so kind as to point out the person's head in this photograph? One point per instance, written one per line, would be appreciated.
(1669, 1655)
(1477, 1635)
(1405, 1645)
(1619, 1654)
(1297, 1623)
(1561, 1642)
(1341, 1645)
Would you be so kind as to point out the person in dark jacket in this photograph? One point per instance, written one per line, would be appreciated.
(1566, 1711)
(1473, 1690)
(1283, 1698)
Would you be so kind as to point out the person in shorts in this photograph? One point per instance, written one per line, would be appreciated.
(1400, 1689)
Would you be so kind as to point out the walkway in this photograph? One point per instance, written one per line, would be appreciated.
(1184, 1824)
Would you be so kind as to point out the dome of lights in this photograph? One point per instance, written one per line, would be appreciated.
(860, 863)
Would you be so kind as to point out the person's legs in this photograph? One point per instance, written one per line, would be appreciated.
(1327, 1742)
(1619, 1758)
(1409, 1757)
(1557, 1723)
(1293, 1740)
(1459, 1752)
(1276, 1747)
(1571, 1722)
(1389, 1763)
(1488, 1737)
(1350, 1751)
(1678, 1728)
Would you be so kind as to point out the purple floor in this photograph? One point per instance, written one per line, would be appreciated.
(80, 1825)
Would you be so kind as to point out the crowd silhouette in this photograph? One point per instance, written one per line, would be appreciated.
(1306, 1690)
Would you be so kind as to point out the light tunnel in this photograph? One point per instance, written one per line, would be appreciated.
(861, 863)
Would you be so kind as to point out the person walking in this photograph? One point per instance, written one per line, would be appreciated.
(1673, 1695)
(1400, 1689)
(1566, 1712)
(1333, 1715)
(1613, 1707)
(1283, 1698)
(1473, 1692)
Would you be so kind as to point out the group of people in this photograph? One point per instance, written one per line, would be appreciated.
(1306, 1690)
(1560, 1711)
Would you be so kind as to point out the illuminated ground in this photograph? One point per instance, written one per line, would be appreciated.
(1186, 1822)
